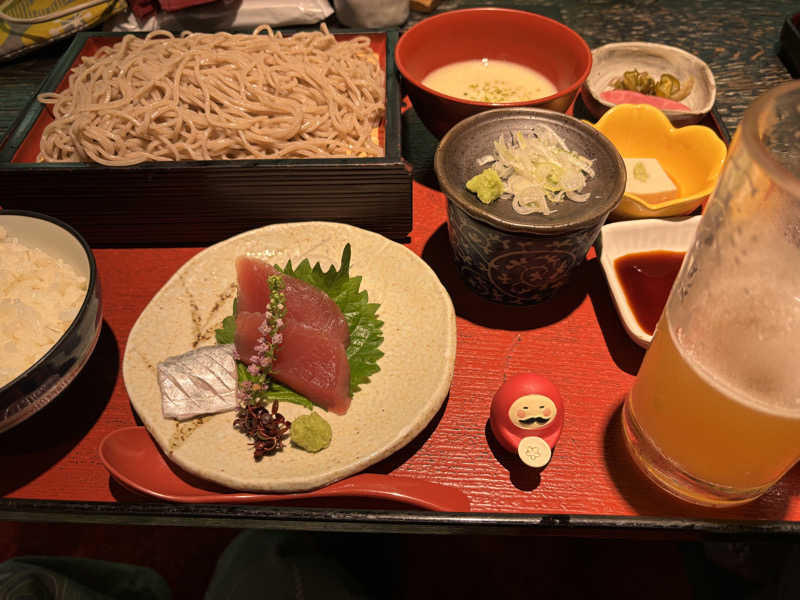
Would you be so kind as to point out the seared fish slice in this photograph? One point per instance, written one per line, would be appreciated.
(199, 382)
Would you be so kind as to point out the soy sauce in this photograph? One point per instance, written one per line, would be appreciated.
(647, 279)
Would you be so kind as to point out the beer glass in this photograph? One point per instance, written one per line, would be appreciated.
(714, 414)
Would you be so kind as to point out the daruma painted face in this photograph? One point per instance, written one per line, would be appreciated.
(532, 411)
(527, 412)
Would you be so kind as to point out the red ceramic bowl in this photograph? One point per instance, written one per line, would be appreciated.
(538, 42)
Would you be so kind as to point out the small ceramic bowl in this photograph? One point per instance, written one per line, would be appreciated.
(645, 235)
(40, 383)
(609, 62)
(692, 156)
(519, 36)
(503, 255)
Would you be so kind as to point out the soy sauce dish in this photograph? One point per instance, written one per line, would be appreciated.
(516, 258)
(640, 300)
(50, 311)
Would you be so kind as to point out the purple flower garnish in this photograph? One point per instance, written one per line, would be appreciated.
(265, 427)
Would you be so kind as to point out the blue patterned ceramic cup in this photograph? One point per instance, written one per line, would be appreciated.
(518, 258)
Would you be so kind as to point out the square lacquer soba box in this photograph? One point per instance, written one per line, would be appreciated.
(199, 202)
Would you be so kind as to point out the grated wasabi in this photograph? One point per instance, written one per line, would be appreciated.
(311, 432)
(487, 185)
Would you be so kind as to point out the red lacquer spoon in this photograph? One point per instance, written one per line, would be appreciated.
(133, 459)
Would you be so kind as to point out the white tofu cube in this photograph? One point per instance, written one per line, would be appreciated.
(648, 180)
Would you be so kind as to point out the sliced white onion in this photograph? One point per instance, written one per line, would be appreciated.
(529, 200)
(576, 197)
(538, 169)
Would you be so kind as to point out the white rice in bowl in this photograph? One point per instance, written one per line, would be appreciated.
(40, 296)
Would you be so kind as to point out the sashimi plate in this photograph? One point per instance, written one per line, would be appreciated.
(386, 413)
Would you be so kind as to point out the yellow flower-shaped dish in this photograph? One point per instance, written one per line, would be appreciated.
(692, 157)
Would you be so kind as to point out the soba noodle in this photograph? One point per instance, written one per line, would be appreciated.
(218, 96)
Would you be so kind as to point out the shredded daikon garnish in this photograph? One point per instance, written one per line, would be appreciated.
(538, 169)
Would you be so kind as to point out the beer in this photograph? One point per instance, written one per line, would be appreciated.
(714, 414)
(703, 433)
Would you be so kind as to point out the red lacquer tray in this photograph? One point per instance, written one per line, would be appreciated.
(51, 468)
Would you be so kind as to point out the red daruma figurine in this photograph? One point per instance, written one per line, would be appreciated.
(526, 417)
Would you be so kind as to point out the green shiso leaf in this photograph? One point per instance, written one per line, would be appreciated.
(226, 334)
(276, 391)
(366, 334)
(281, 393)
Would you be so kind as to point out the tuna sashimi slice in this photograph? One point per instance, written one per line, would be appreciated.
(312, 364)
(304, 303)
(632, 97)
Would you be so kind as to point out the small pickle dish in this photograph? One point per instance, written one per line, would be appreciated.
(676, 81)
